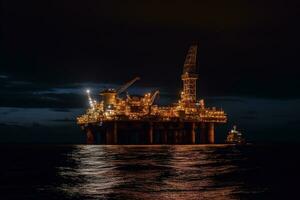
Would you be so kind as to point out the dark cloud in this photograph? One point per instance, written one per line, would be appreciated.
(3, 77)
(64, 120)
(16, 93)
(61, 109)
(45, 100)
(249, 117)
(40, 116)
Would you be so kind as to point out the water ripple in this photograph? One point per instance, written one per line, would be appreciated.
(145, 172)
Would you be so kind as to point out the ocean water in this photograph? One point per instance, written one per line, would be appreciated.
(149, 172)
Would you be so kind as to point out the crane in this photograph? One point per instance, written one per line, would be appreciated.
(127, 85)
(153, 97)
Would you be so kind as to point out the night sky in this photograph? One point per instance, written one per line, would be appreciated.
(51, 51)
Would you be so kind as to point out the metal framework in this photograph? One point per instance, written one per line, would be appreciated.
(189, 78)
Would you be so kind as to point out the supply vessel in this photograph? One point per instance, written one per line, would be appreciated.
(235, 137)
(137, 120)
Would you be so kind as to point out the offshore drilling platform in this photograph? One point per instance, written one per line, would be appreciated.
(136, 120)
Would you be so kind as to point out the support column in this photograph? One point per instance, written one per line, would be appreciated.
(111, 133)
(176, 136)
(115, 132)
(193, 133)
(181, 136)
(211, 133)
(202, 133)
(164, 136)
(108, 135)
(90, 137)
(150, 133)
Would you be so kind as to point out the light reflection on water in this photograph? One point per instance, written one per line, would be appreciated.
(152, 172)
(74, 172)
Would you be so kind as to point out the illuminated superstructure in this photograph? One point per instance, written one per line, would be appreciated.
(140, 109)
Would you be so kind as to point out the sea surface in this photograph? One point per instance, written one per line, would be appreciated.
(149, 172)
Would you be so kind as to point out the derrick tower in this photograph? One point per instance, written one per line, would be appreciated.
(189, 78)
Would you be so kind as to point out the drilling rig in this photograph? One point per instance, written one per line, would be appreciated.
(136, 120)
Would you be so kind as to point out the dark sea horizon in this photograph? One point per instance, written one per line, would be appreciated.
(149, 172)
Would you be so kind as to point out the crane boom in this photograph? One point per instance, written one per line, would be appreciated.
(154, 96)
(127, 85)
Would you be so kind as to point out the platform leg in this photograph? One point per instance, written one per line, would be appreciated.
(164, 137)
(115, 133)
(111, 134)
(176, 137)
(203, 137)
(193, 133)
(90, 137)
(150, 134)
(211, 133)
